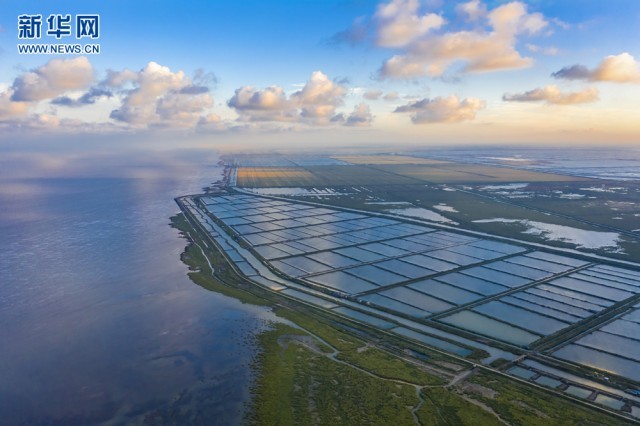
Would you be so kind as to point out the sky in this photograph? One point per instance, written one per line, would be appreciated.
(330, 73)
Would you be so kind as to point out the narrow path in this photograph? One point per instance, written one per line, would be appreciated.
(484, 407)
(414, 410)
(460, 377)
(201, 251)
(334, 357)
(418, 388)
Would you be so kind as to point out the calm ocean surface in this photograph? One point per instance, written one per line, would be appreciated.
(98, 320)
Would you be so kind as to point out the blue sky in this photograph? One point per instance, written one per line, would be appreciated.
(358, 71)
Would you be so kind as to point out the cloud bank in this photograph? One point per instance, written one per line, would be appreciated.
(552, 95)
(622, 68)
(427, 44)
(442, 110)
(314, 104)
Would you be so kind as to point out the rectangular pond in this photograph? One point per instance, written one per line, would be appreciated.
(542, 265)
(519, 270)
(432, 341)
(417, 299)
(522, 373)
(394, 305)
(473, 284)
(622, 327)
(586, 287)
(608, 281)
(362, 317)
(383, 249)
(377, 276)
(497, 277)
(341, 281)
(600, 360)
(562, 291)
(360, 254)
(562, 260)
(453, 257)
(490, 327)
(308, 265)
(406, 269)
(309, 298)
(451, 294)
(555, 301)
(522, 318)
(425, 261)
(333, 259)
(612, 343)
(534, 307)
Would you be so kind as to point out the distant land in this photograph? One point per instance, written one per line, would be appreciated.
(427, 288)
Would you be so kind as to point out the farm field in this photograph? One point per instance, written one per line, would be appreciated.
(275, 176)
(388, 172)
(471, 173)
(386, 159)
(328, 175)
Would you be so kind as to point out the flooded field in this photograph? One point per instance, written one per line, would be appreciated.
(420, 271)
(614, 347)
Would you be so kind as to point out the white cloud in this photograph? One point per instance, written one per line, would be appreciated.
(11, 109)
(117, 79)
(391, 96)
(270, 104)
(442, 110)
(361, 116)
(372, 95)
(480, 49)
(472, 10)
(52, 79)
(622, 68)
(182, 110)
(554, 96)
(160, 97)
(319, 98)
(399, 23)
(315, 103)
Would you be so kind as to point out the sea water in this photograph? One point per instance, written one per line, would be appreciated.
(98, 319)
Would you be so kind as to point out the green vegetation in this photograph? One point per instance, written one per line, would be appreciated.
(388, 366)
(298, 386)
(445, 407)
(471, 173)
(338, 339)
(356, 352)
(520, 404)
(200, 273)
